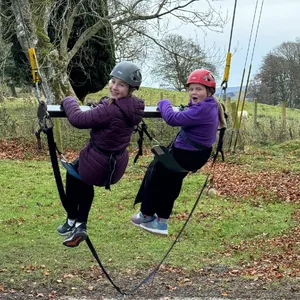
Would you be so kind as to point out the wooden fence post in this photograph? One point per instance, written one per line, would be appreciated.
(255, 112)
(233, 112)
(283, 117)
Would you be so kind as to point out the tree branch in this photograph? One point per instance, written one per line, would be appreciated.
(67, 28)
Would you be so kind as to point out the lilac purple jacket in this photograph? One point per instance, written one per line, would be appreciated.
(111, 128)
(199, 121)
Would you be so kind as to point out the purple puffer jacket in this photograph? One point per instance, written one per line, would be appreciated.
(199, 121)
(111, 128)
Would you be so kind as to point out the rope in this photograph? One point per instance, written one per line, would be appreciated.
(258, 24)
(232, 25)
(248, 78)
(154, 271)
(243, 75)
(224, 83)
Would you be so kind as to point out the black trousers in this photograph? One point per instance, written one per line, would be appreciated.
(161, 187)
(79, 199)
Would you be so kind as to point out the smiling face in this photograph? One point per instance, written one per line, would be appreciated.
(197, 92)
(118, 88)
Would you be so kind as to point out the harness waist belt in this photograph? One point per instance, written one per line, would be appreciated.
(106, 152)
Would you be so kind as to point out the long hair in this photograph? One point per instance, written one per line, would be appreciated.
(130, 91)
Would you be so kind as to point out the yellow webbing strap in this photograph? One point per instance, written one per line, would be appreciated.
(227, 67)
(34, 65)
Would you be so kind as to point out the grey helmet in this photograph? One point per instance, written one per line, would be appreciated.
(128, 72)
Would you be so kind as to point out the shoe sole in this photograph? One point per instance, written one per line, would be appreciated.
(76, 241)
(138, 225)
(135, 224)
(155, 231)
(65, 233)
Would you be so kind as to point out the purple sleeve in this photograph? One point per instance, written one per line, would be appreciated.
(85, 119)
(188, 117)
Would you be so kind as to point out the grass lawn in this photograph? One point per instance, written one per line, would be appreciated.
(32, 251)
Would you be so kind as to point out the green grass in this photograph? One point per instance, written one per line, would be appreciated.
(32, 250)
(283, 157)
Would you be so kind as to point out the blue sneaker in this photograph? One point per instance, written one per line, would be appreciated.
(157, 226)
(139, 218)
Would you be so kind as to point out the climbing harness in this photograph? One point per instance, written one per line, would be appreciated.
(141, 129)
(223, 120)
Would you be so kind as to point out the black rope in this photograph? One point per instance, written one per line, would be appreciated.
(154, 271)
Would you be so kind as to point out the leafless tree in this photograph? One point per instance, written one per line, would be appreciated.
(177, 57)
(141, 17)
(280, 74)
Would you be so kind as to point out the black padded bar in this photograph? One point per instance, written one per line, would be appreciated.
(56, 112)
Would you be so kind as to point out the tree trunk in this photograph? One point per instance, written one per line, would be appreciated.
(13, 90)
(1, 92)
(53, 68)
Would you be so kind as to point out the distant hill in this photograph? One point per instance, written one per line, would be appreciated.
(231, 91)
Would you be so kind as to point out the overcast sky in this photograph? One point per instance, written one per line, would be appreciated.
(279, 23)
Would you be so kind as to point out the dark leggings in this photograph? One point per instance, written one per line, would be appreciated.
(79, 199)
(161, 187)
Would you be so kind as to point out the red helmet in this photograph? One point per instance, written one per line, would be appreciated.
(202, 76)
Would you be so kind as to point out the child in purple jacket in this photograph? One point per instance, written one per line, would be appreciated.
(191, 149)
(104, 158)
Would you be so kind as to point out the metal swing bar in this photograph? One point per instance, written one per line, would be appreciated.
(55, 111)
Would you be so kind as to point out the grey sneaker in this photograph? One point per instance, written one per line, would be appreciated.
(78, 235)
(65, 229)
(139, 218)
(156, 226)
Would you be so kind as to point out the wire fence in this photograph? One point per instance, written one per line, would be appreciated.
(18, 120)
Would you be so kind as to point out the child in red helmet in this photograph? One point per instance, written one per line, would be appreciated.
(191, 149)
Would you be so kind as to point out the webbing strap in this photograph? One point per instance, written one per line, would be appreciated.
(60, 187)
(191, 142)
(220, 144)
(54, 162)
(141, 129)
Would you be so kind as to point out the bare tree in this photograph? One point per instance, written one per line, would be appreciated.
(177, 58)
(280, 74)
(32, 19)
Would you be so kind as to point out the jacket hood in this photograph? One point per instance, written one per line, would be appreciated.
(132, 108)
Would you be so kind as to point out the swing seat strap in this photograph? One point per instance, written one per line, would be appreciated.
(163, 155)
(71, 168)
